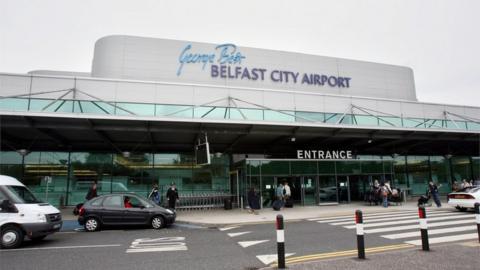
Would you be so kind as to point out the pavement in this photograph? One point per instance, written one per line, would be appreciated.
(460, 256)
(242, 216)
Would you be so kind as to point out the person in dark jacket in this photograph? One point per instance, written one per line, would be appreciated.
(434, 191)
(253, 201)
(172, 196)
(92, 192)
(154, 195)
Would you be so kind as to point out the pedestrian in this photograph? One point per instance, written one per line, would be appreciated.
(92, 191)
(384, 194)
(434, 192)
(455, 186)
(465, 184)
(287, 195)
(172, 196)
(253, 201)
(154, 194)
(278, 203)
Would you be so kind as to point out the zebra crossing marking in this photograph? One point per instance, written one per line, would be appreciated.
(157, 244)
(371, 216)
(445, 239)
(380, 224)
(430, 232)
(387, 218)
(413, 227)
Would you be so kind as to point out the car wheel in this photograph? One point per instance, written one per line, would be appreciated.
(91, 224)
(158, 222)
(12, 237)
(461, 209)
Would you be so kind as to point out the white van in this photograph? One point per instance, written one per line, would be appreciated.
(21, 214)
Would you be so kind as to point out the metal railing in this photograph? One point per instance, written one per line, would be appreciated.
(201, 201)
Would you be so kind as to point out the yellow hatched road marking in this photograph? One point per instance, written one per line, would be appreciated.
(343, 253)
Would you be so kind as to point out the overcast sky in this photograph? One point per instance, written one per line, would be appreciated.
(440, 40)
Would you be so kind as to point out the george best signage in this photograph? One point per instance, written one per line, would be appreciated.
(324, 154)
(226, 61)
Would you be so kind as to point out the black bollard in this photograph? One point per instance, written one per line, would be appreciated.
(422, 214)
(360, 234)
(280, 242)
(477, 218)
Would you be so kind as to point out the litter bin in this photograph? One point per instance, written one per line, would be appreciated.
(227, 203)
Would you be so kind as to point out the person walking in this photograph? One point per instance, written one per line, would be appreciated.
(434, 192)
(154, 194)
(253, 201)
(278, 203)
(172, 196)
(92, 192)
(384, 194)
(287, 193)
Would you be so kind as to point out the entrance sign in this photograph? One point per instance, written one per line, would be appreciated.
(321, 154)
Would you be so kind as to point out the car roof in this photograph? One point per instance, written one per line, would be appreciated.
(6, 180)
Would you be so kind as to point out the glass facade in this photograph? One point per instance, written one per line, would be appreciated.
(327, 181)
(232, 113)
(63, 178)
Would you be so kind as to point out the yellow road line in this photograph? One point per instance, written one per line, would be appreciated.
(343, 253)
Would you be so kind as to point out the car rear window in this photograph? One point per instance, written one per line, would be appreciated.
(96, 202)
(113, 201)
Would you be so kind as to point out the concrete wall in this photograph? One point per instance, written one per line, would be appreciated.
(138, 58)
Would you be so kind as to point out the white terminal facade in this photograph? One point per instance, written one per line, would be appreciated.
(135, 120)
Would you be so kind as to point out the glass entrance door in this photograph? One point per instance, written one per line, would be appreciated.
(327, 189)
(343, 190)
(309, 188)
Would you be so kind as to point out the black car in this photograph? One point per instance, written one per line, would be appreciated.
(123, 209)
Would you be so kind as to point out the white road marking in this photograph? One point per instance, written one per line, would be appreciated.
(328, 219)
(430, 232)
(62, 247)
(157, 244)
(228, 228)
(270, 258)
(371, 216)
(416, 226)
(390, 217)
(237, 234)
(445, 239)
(415, 220)
(246, 244)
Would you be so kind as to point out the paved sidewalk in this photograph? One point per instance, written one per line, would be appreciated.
(462, 256)
(238, 216)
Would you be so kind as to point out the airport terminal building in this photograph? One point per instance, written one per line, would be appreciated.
(328, 126)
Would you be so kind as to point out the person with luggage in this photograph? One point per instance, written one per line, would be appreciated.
(154, 194)
(384, 194)
(172, 196)
(278, 203)
(287, 195)
(253, 201)
(434, 192)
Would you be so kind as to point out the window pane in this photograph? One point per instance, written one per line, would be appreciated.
(326, 167)
(441, 173)
(13, 104)
(136, 108)
(275, 167)
(40, 105)
(348, 167)
(278, 116)
(413, 123)
(309, 116)
(93, 107)
(390, 121)
(250, 114)
(211, 112)
(174, 111)
(304, 167)
(418, 174)
(461, 168)
(332, 117)
(473, 126)
(365, 120)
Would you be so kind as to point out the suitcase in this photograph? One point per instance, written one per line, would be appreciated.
(277, 205)
(289, 203)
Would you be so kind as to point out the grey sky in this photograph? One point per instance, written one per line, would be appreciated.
(440, 40)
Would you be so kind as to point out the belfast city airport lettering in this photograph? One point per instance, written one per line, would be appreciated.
(226, 63)
(321, 154)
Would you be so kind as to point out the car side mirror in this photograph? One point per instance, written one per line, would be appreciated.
(8, 207)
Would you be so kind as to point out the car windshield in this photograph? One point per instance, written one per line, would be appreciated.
(21, 194)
